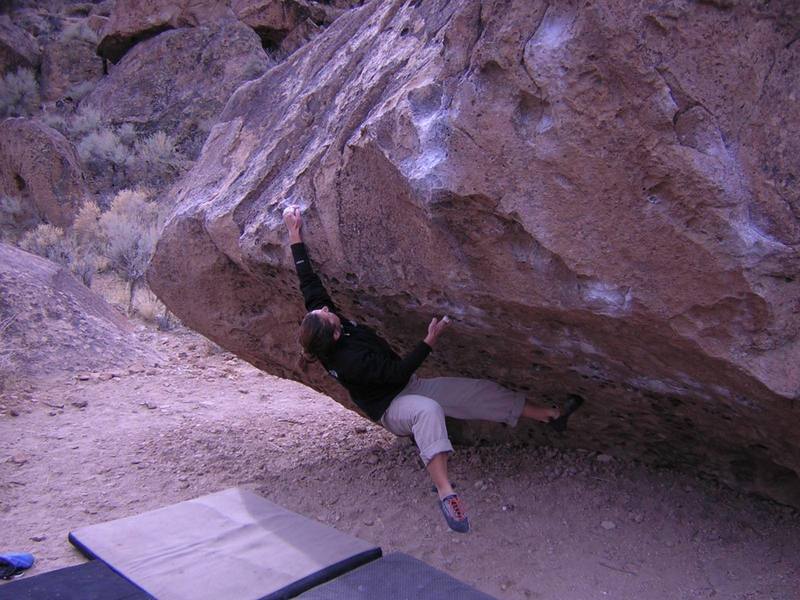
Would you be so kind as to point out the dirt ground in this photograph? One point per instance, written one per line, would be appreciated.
(547, 524)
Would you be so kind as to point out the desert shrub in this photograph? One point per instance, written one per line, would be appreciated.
(127, 133)
(78, 30)
(88, 243)
(151, 309)
(166, 321)
(49, 242)
(130, 228)
(159, 156)
(86, 120)
(80, 90)
(10, 211)
(19, 93)
(56, 121)
(148, 306)
(86, 227)
(84, 265)
(102, 147)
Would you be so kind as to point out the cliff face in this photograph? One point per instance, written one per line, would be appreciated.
(602, 197)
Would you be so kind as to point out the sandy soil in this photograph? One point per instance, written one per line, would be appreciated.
(547, 524)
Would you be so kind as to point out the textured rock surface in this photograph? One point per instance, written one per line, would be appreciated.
(132, 21)
(285, 24)
(51, 323)
(39, 166)
(17, 47)
(603, 198)
(66, 65)
(179, 81)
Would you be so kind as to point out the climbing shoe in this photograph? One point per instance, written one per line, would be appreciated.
(572, 404)
(454, 513)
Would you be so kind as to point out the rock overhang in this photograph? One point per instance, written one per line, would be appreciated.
(588, 214)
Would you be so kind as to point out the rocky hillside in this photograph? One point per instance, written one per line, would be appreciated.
(51, 324)
(602, 196)
(105, 104)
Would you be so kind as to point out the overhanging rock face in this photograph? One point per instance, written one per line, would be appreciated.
(603, 198)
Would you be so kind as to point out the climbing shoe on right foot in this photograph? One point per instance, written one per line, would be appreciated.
(454, 513)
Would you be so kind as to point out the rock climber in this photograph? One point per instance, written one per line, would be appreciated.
(383, 385)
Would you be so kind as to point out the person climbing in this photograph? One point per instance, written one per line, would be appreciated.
(383, 384)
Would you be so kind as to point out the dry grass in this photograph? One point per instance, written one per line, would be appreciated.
(19, 93)
(148, 306)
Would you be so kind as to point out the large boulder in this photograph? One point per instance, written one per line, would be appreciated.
(602, 196)
(18, 48)
(52, 324)
(178, 81)
(68, 64)
(294, 21)
(285, 25)
(132, 21)
(39, 167)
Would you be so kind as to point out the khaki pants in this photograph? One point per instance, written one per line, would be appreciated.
(421, 407)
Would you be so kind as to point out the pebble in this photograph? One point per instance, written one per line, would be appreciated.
(38, 538)
(83, 377)
(19, 459)
(80, 404)
(369, 523)
(372, 459)
(149, 405)
(608, 525)
(604, 458)
(13, 413)
(244, 391)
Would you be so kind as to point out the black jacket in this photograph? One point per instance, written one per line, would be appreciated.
(361, 361)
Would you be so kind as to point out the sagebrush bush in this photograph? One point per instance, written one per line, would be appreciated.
(78, 30)
(80, 90)
(101, 147)
(10, 210)
(84, 265)
(86, 119)
(86, 228)
(149, 306)
(19, 93)
(127, 133)
(159, 156)
(130, 228)
(57, 122)
(49, 242)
